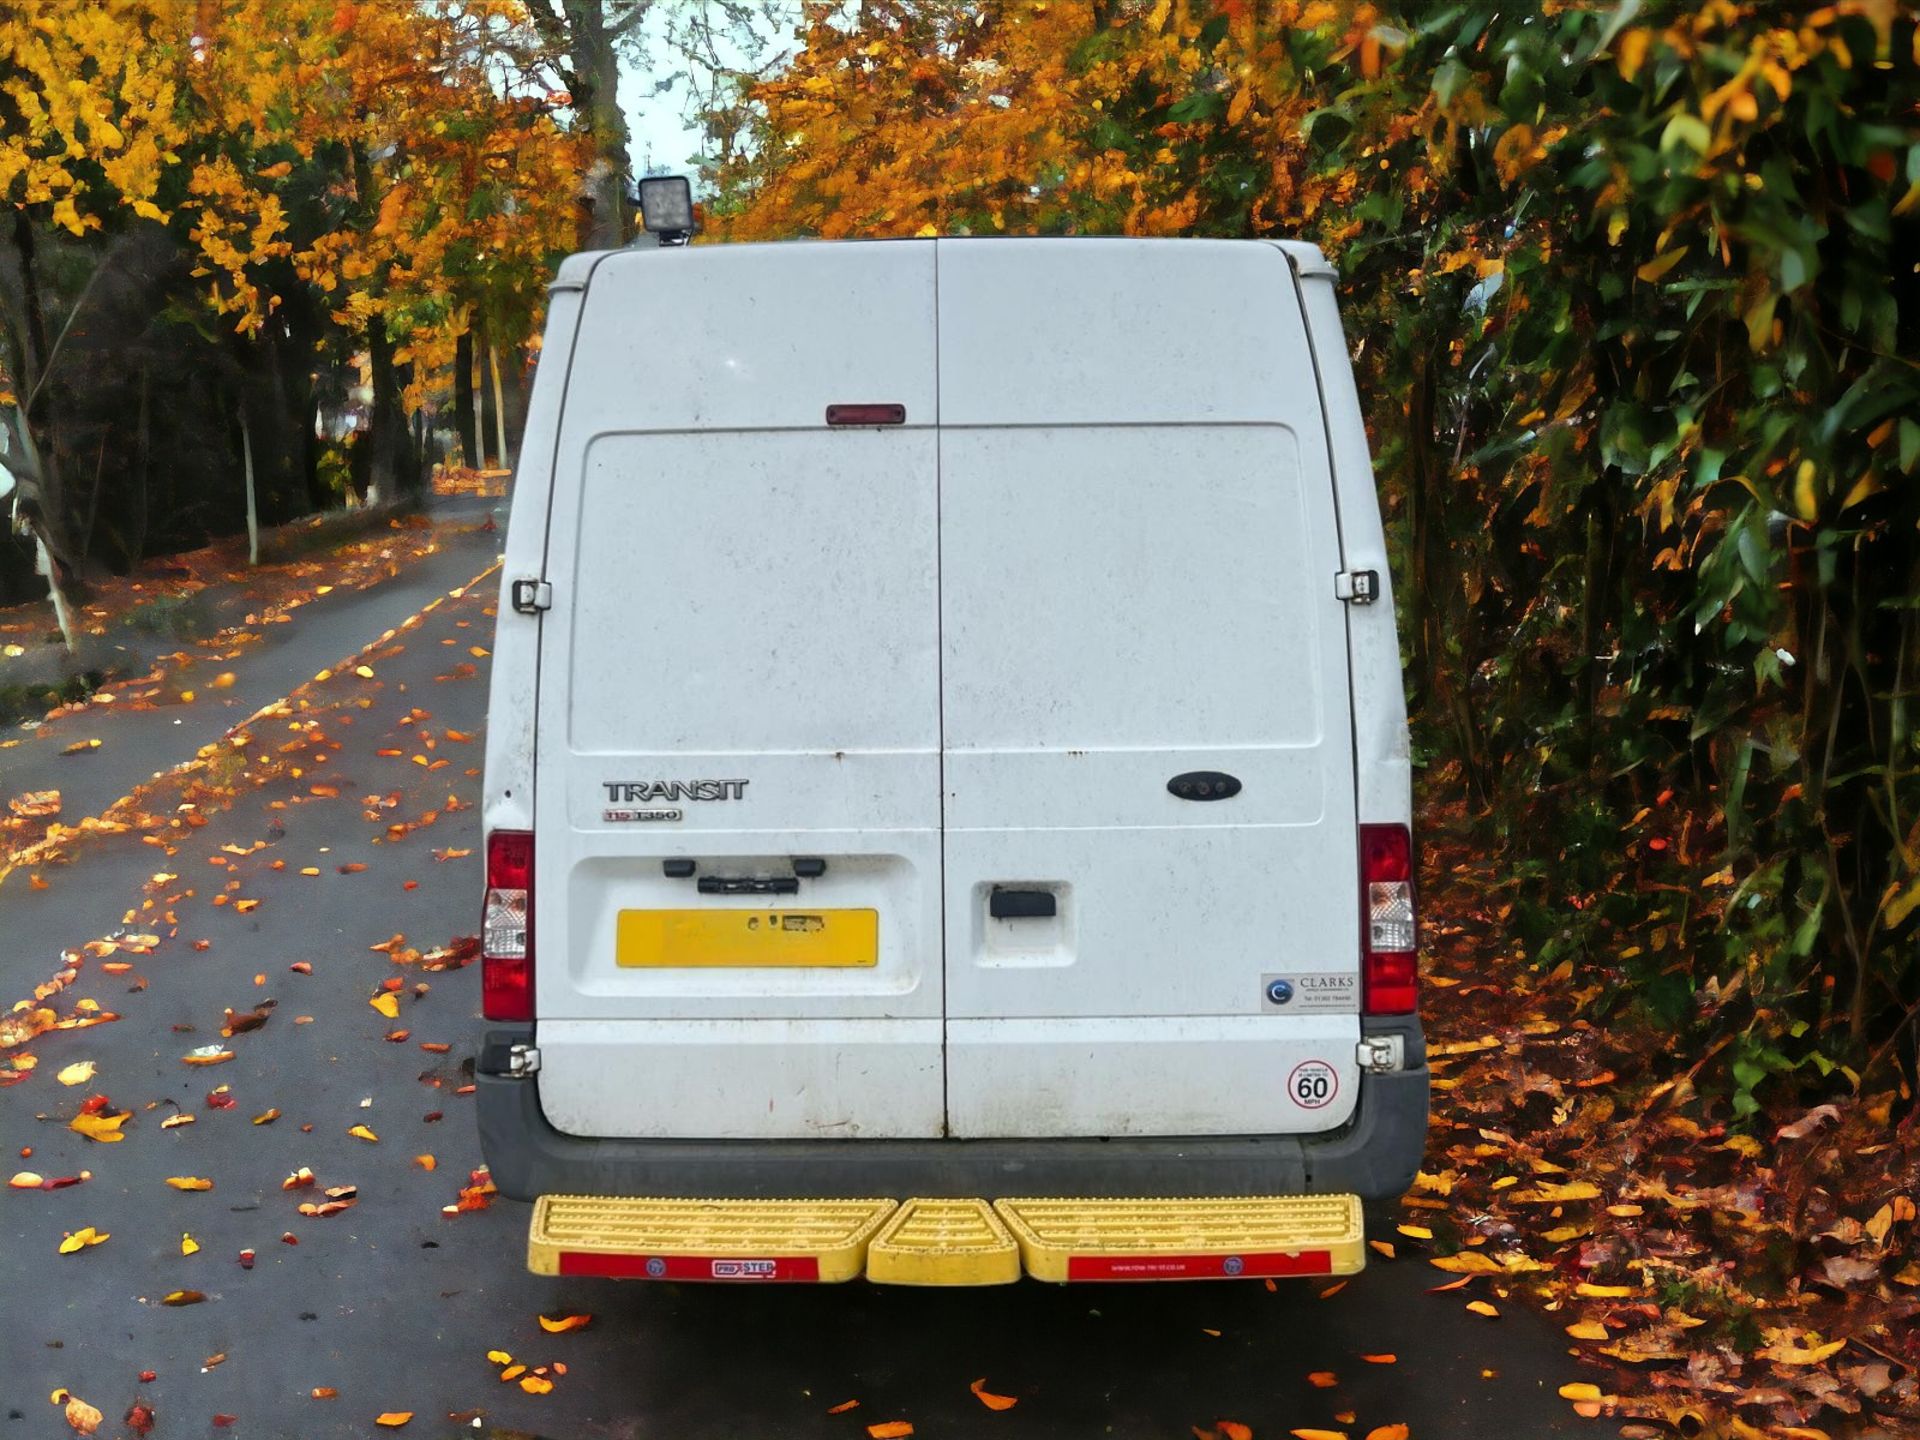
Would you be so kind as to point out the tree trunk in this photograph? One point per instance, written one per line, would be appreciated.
(464, 420)
(253, 508)
(137, 524)
(596, 73)
(392, 468)
(499, 408)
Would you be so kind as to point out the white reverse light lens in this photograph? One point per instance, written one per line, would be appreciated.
(1390, 915)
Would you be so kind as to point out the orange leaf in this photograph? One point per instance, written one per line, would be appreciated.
(183, 1297)
(1322, 1379)
(1312, 1434)
(565, 1323)
(189, 1182)
(1388, 1432)
(843, 1407)
(890, 1429)
(1234, 1430)
(987, 1398)
(1385, 1359)
(393, 1419)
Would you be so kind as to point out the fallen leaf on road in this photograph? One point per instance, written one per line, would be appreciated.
(536, 1384)
(206, 1055)
(266, 1117)
(1603, 1292)
(139, 1417)
(891, 1430)
(843, 1407)
(1387, 1358)
(95, 1124)
(393, 1419)
(361, 1132)
(1385, 1247)
(1322, 1379)
(189, 1182)
(1481, 1307)
(188, 1245)
(564, 1323)
(35, 804)
(173, 1122)
(1415, 1232)
(84, 1418)
(77, 1073)
(1388, 1432)
(298, 1180)
(183, 1297)
(1234, 1430)
(1312, 1434)
(324, 1392)
(81, 747)
(1549, 1194)
(82, 1238)
(1588, 1330)
(426, 1162)
(387, 1004)
(987, 1398)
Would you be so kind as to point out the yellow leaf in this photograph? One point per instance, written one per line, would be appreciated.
(1806, 501)
(1603, 1292)
(26, 1180)
(1551, 1194)
(1481, 1307)
(361, 1132)
(1866, 487)
(1415, 1232)
(987, 1398)
(365, 672)
(499, 1357)
(535, 1384)
(103, 1128)
(82, 1238)
(1579, 1390)
(1784, 1352)
(564, 1323)
(1588, 1330)
(189, 1245)
(387, 1003)
(77, 1073)
(189, 1182)
(1661, 264)
(1630, 51)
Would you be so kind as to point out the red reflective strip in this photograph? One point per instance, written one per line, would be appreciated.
(772, 1268)
(1197, 1267)
(866, 414)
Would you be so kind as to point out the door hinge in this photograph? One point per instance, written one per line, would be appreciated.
(524, 1060)
(530, 597)
(1357, 587)
(1378, 1054)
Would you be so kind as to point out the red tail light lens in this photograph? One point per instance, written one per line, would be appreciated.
(1389, 932)
(506, 928)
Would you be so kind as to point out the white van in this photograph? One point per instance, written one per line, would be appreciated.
(947, 779)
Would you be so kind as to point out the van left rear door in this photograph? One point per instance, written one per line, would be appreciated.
(739, 687)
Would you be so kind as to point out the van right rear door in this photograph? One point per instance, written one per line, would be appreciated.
(1152, 907)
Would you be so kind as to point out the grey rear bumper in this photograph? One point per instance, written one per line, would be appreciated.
(1373, 1156)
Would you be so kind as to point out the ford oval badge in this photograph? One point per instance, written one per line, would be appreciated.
(1204, 785)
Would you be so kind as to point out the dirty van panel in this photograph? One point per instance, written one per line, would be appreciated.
(738, 897)
(1150, 848)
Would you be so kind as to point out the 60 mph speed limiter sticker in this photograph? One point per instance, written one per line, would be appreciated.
(1312, 1084)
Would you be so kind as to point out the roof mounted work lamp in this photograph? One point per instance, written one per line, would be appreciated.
(666, 208)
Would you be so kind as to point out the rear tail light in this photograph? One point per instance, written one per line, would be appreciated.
(506, 928)
(1389, 933)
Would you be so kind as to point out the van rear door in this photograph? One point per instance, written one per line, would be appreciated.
(1151, 857)
(737, 818)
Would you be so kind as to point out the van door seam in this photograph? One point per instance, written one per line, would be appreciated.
(940, 698)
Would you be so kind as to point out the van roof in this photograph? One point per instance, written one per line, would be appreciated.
(1307, 257)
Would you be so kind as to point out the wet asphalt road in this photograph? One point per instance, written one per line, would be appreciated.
(392, 1305)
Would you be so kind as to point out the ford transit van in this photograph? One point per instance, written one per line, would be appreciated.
(947, 781)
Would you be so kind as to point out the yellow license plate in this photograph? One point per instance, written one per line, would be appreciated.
(675, 939)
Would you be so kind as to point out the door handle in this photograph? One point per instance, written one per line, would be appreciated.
(1022, 904)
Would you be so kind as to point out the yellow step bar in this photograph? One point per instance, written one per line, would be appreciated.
(1218, 1238)
(944, 1242)
(952, 1241)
